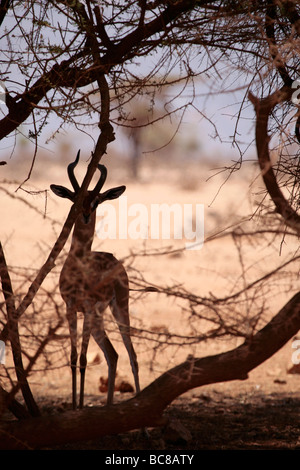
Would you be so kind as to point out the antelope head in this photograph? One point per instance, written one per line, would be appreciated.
(93, 197)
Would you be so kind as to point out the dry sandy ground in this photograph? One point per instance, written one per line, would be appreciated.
(223, 415)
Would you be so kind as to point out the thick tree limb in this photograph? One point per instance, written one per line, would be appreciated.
(13, 331)
(263, 108)
(146, 409)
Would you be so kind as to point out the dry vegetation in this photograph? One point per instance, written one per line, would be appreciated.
(238, 414)
(226, 313)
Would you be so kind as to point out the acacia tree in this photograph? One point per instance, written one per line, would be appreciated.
(79, 61)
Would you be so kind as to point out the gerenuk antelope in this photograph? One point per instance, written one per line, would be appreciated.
(92, 280)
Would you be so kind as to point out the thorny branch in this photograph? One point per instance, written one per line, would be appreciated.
(102, 50)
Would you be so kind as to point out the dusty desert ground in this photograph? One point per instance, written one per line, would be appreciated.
(261, 412)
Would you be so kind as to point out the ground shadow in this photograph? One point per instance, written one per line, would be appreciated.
(216, 421)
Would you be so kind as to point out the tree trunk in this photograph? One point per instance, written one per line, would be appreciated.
(146, 409)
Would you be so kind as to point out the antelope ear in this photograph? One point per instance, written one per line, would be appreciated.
(112, 193)
(61, 191)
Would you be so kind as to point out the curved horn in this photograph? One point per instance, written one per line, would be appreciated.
(102, 179)
(72, 177)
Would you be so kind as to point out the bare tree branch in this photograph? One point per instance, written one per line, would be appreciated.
(263, 108)
(13, 333)
(146, 409)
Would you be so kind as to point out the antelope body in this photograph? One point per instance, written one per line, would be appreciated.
(89, 282)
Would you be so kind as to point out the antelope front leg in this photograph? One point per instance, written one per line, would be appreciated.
(85, 342)
(111, 357)
(72, 321)
(119, 308)
(109, 351)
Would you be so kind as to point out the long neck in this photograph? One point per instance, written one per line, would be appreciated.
(83, 235)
